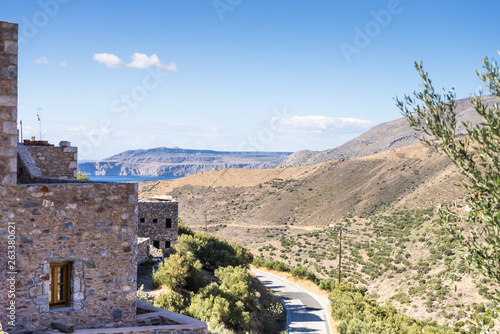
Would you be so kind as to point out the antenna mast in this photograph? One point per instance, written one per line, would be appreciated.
(38, 114)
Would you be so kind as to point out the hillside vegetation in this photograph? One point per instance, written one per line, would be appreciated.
(392, 246)
(270, 200)
(207, 278)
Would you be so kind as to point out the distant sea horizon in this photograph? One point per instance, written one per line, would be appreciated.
(129, 178)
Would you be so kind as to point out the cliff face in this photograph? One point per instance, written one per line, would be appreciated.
(177, 162)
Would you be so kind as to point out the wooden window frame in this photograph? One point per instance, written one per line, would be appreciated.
(168, 222)
(142, 220)
(167, 244)
(159, 244)
(155, 220)
(65, 285)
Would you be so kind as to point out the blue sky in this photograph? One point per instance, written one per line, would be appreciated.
(280, 75)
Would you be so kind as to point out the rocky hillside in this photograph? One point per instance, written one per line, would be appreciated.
(164, 161)
(311, 195)
(383, 137)
(392, 246)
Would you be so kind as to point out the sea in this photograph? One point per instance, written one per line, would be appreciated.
(128, 178)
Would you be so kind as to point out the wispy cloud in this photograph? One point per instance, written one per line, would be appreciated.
(42, 61)
(319, 124)
(139, 60)
(63, 64)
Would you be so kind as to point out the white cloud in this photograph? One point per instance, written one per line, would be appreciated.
(63, 64)
(139, 60)
(319, 124)
(42, 61)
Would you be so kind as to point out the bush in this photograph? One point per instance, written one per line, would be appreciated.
(357, 314)
(271, 264)
(180, 271)
(237, 282)
(216, 307)
(304, 273)
(83, 177)
(183, 229)
(172, 301)
(213, 252)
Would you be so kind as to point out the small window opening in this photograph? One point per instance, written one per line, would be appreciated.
(60, 275)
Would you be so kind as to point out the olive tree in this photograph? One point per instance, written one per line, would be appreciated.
(476, 154)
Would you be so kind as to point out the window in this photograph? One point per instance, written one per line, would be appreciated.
(142, 220)
(60, 274)
(156, 244)
(155, 220)
(168, 223)
(167, 244)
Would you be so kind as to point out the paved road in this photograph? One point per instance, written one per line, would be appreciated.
(306, 312)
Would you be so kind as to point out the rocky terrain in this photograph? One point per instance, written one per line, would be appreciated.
(386, 201)
(177, 162)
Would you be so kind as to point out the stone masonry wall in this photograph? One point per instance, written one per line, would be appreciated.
(93, 226)
(142, 249)
(8, 103)
(55, 161)
(159, 210)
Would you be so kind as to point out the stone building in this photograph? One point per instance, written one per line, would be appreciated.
(68, 248)
(158, 221)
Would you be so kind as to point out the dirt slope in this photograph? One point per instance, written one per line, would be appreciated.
(313, 195)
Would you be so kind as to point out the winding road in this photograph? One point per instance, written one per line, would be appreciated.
(306, 312)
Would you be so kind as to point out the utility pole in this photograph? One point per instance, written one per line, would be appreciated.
(340, 229)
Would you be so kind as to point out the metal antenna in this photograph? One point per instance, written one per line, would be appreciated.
(38, 114)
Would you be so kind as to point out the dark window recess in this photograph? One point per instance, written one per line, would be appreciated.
(155, 220)
(156, 244)
(167, 244)
(142, 220)
(60, 277)
(168, 223)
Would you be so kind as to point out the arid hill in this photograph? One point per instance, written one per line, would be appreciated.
(391, 245)
(312, 195)
(383, 137)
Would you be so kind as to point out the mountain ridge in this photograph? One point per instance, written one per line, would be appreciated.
(382, 137)
(178, 162)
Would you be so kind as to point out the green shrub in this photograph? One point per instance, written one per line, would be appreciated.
(172, 301)
(304, 273)
(182, 228)
(358, 314)
(180, 271)
(217, 308)
(235, 281)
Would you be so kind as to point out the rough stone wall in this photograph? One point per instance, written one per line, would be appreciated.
(55, 161)
(142, 249)
(8, 103)
(94, 226)
(160, 210)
